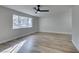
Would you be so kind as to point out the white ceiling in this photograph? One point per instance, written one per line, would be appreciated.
(53, 9)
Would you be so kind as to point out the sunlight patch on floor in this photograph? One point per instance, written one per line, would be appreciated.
(14, 48)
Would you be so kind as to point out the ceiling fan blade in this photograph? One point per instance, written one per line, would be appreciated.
(35, 8)
(44, 10)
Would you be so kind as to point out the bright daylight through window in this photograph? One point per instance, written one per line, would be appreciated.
(21, 22)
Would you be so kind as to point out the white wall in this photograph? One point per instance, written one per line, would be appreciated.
(6, 31)
(59, 23)
(75, 24)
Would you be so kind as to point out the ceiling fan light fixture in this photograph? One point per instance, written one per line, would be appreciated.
(38, 12)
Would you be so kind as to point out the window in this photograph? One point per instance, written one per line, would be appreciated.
(21, 22)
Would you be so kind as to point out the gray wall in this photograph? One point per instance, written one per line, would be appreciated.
(75, 24)
(59, 23)
(6, 31)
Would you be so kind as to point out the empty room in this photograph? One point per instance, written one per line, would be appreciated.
(39, 29)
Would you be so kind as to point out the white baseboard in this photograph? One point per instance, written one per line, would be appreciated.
(75, 45)
(9, 39)
(58, 32)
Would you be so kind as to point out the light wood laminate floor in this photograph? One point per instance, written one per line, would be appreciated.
(40, 43)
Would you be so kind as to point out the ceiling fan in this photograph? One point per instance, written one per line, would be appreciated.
(38, 10)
